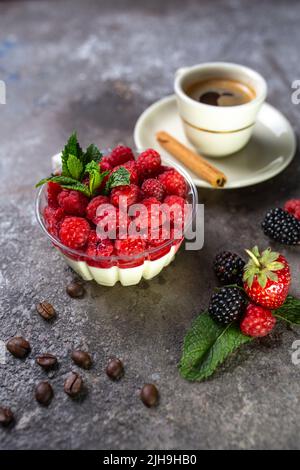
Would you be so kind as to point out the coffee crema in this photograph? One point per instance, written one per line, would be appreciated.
(220, 92)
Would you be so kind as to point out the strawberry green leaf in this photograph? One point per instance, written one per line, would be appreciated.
(120, 177)
(92, 153)
(289, 311)
(75, 167)
(207, 345)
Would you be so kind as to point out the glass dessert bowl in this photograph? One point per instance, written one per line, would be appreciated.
(74, 230)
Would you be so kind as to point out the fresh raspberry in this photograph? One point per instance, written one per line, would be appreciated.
(120, 155)
(73, 202)
(258, 321)
(130, 246)
(53, 218)
(111, 222)
(105, 164)
(163, 168)
(74, 232)
(93, 205)
(293, 207)
(131, 193)
(145, 221)
(148, 163)
(132, 168)
(99, 247)
(158, 243)
(173, 183)
(53, 190)
(176, 205)
(153, 188)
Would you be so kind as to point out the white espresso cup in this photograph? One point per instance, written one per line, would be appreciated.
(218, 131)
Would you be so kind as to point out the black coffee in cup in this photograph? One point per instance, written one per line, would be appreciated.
(220, 92)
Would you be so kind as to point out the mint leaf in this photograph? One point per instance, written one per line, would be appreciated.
(289, 311)
(75, 167)
(92, 153)
(72, 147)
(67, 183)
(119, 177)
(207, 345)
(77, 186)
(62, 180)
(95, 176)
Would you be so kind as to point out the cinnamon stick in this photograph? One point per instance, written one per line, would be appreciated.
(192, 160)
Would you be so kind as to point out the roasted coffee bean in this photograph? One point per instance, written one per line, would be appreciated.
(46, 310)
(47, 361)
(82, 359)
(115, 369)
(18, 347)
(44, 393)
(75, 289)
(6, 416)
(149, 395)
(73, 384)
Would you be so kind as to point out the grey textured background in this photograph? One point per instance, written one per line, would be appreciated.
(95, 66)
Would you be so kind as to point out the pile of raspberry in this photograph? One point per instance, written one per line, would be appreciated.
(72, 217)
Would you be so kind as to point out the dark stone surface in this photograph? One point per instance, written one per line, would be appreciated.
(95, 66)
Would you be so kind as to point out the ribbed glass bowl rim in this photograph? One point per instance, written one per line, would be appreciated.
(83, 256)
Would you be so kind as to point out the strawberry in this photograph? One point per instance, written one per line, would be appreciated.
(257, 322)
(267, 278)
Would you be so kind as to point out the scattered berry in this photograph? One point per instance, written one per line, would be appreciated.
(257, 322)
(282, 227)
(267, 278)
(293, 207)
(132, 168)
(229, 268)
(73, 202)
(148, 163)
(153, 188)
(120, 155)
(227, 305)
(173, 183)
(53, 190)
(91, 210)
(74, 232)
(130, 195)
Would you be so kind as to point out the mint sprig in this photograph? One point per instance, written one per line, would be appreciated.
(95, 176)
(207, 345)
(76, 164)
(120, 177)
(92, 154)
(72, 147)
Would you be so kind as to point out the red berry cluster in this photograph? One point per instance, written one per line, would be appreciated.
(73, 218)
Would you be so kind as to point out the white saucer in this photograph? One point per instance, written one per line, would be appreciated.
(270, 150)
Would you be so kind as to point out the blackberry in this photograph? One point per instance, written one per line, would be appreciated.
(229, 268)
(227, 305)
(281, 227)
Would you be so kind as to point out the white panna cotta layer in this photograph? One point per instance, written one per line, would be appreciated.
(126, 276)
